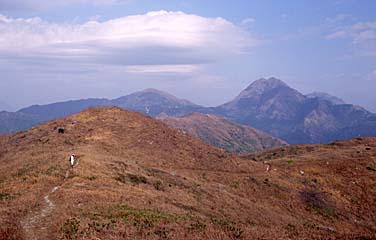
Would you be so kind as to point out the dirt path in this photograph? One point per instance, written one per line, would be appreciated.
(35, 225)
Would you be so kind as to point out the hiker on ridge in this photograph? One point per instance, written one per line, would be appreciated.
(72, 160)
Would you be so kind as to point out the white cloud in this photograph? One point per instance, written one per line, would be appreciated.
(248, 21)
(155, 38)
(361, 34)
(162, 69)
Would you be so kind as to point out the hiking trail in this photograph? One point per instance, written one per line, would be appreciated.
(35, 225)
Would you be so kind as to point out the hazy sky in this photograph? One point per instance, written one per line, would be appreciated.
(204, 51)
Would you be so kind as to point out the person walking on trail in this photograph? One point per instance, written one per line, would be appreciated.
(72, 160)
(268, 166)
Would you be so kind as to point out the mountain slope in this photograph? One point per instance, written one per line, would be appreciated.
(267, 98)
(64, 109)
(222, 133)
(324, 96)
(12, 122)
(272, 106)
(154, 102)
(269, 105)
(150, 102)
(136, 178)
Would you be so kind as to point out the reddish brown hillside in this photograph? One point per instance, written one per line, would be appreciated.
(222, 133)
(136, 178)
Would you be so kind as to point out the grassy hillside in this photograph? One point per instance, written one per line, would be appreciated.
(137, 178)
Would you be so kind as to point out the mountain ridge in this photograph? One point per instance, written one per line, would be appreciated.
(269, 105)
(325, 96)
(285, 113)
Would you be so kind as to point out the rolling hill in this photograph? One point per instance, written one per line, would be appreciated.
(222, 133)
(153, 102)
(137, 178)
(63, 109)
(149, 102)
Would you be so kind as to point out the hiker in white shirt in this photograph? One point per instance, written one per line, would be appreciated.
(72, 160)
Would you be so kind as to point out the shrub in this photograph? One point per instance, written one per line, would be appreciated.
(290, 227)
(372, 168)
(101, 226)
(266, 181)
(318, 202)
(161, 232)
(228, 226)
(70, 228)
(4, 196)
(92, 178)
(133, 178)
(21, 172)
(158, 185)
(137, 179)
(197, 226)
(235, 185)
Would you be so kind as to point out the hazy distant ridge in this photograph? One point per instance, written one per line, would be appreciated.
(269, 105)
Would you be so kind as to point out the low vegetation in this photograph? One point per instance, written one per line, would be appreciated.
(110, 220)
(21, 172)
(11, 230)
(372, 168)
(70, 228)
(4, 196)
(229, 227)
(158, 185)
(318, 202)
(55, 171)
(133, 178)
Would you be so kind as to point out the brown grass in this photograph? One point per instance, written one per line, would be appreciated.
(139, 179)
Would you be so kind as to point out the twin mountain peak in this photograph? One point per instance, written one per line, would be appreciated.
(269, 105)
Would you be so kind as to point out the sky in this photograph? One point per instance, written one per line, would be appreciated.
(203, 51)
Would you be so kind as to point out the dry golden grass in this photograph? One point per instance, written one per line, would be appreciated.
(136, 178)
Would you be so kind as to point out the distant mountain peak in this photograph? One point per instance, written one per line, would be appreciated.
(152, 90)
(269, 83)
(261, 86)
(264, 86)
(164, 95)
